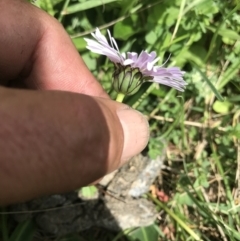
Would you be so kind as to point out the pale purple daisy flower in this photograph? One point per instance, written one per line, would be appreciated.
(131, 69)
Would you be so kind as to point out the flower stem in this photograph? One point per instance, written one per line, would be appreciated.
(120, 97)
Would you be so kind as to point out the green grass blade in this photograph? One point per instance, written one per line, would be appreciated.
(24, 231)
(213, 88)
(85, 5)
(3, 226)
(176, 218)
(229, 73)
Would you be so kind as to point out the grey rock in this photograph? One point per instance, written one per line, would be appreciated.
(119, 206)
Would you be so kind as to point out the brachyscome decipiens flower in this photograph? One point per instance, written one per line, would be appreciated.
(131, 69)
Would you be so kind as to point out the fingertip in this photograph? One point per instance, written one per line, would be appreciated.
(136, 132)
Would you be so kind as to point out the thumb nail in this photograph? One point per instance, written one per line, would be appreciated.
(136, 132)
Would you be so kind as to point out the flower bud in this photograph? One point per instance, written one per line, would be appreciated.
(127, 80)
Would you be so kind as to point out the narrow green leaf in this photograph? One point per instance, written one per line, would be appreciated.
(3, 225)
(213, 88)
(74, 8)
(24, 231)
(229, 73)
(194, 4)
(224, 32)
(181, 223)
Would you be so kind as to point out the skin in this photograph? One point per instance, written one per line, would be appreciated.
(59, 129)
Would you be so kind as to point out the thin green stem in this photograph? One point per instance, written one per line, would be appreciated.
(176, 218)
(120, 97)
(60, 18)
(4, 228)
(180, 15)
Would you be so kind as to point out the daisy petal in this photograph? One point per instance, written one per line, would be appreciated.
(139, 66)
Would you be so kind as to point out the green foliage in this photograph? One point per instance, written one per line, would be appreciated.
(144, 234)
(23, 231)
(222, 107)
(88, 192)
(78, 7)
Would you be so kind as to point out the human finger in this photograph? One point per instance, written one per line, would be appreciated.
(38, 52)
(55, 141)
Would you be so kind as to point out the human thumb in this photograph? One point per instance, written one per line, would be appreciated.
(55, 142)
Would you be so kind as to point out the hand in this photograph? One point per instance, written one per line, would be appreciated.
(59, 129)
